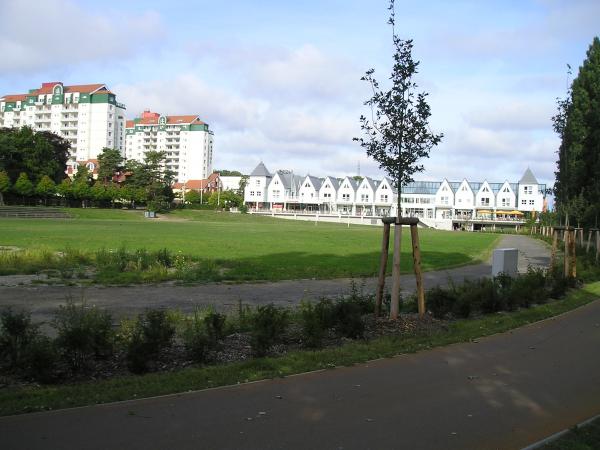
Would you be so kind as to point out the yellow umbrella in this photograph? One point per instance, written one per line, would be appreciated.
(516, 213)
(484, 211)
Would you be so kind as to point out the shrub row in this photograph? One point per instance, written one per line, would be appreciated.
(502, 293)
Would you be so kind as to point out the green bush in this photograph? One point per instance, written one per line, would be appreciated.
(530, 288)
(202, 333)
(348, 318)
(315, 320)
(440, 301)
(152, 333)
(41, 359)
(268, 323)
(480, 295)
(195, 338)
(83, 333)
(16, 334)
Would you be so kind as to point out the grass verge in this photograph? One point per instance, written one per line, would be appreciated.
(29, 399)
(586, 437)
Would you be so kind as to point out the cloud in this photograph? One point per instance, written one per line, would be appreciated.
(514, 115)
(189, 94)
(59, 32)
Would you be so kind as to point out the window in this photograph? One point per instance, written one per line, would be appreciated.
(528, 190)
(532, 202)
(257, 183)
(485, 190)
(364, 197)
(506, 189)
(485, 201)
(276, 193)
(384, 186)
(505, 201)
(444, 200)
(327, 195)
(464, 188)
(346, 185)
(523, 202)
(251, 193)
(383, 198)
(346, 197)
(307, 184)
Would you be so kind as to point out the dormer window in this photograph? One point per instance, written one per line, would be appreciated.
(90, 166)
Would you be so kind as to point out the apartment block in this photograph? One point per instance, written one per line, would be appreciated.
(186, 140)
(87, 115)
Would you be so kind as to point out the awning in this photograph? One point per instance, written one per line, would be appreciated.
(484, 211)
(516, 213)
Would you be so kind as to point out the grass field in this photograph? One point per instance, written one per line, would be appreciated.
(243, 247)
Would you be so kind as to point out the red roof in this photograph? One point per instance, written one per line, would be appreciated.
(183, 119)
(14, 98)
(46, 88)
(152, 119)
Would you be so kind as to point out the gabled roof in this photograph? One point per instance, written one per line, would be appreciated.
(496, 187)
(372, 183)
(335, 184)
(260, 171)
(528, 178)
(351, 181)
(289, 180)
(475, 186)
(316, 182)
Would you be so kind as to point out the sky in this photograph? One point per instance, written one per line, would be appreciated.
(279, 82)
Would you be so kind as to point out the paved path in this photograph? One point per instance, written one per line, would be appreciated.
(502, 392)
(43, 301)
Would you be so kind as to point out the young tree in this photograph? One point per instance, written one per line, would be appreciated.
(577, 123)
(45, 188)
(397, 134)
(4, 186)
(64, 189)
(23, 186)
(192, 197)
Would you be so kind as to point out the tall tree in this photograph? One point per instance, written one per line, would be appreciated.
(110, 163)
(577, 123)
(397, 134)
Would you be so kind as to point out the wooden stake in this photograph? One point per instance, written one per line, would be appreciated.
(395, 304)
(567, 260)
(414, 233)
(597, 245)
(589, 241)
(573, 255)
(554, 247)
(385, 246)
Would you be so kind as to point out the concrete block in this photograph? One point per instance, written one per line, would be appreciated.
(505, 260)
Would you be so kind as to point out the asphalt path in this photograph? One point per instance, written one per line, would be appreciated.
(500, 392)
(124, 301)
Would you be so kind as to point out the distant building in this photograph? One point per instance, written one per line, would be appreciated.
(187, 141)
(439, 203)
(86, 115)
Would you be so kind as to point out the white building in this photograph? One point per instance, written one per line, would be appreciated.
(440, 203)
(88, 116)
(186, 140)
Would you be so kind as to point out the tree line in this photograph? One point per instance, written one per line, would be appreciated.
(577, 123)
(32, 170)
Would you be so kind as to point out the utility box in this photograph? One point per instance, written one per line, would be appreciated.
(505, 260)
(149, 214)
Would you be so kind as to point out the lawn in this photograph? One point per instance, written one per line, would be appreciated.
(244, 247)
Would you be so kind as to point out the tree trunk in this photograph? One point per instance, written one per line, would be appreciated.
(1, 199)
(395, 304)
